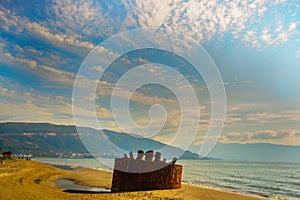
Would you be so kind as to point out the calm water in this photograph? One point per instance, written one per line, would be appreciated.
(256, 178)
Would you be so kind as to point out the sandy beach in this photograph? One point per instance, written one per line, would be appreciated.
(22, 179)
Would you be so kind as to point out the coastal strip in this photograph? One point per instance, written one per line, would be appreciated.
(21, 179)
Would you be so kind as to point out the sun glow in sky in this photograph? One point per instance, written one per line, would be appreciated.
(255, 44)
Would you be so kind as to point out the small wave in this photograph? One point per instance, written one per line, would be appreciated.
(201, 185)
(102, 169)
(278, 198)
(226, 180)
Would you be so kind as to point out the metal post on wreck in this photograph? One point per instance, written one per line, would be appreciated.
(140, 155)
(157, 156)
(149, 155)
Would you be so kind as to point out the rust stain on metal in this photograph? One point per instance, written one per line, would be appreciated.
(145, 174)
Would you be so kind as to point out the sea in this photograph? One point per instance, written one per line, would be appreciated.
(265, 179)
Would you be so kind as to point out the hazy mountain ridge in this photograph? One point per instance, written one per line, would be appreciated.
(257, 152)
(44, 139)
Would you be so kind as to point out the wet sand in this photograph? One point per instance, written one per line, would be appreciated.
(21, 179)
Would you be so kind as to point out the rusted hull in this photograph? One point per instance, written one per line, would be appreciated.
(135, 175)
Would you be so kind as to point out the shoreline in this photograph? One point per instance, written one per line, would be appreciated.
(33, 179)
(186, 183)
(70, 167)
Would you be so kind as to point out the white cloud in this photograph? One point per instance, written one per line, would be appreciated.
(74, 21)
(33, 106)
(284, 115)
(199, 19)
(237, 137)
(98, 68)
(232, 120)
(103, 112)
(10, 22)
(292, 26)
(142, 60)
(144, 99)
(242, 107)
(266, 37)
(91, 18)
(281, 136)
(202, 20)
(149, 13)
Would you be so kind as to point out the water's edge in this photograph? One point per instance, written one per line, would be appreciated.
(239, 184)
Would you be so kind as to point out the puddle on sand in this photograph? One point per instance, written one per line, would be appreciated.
(70, 185)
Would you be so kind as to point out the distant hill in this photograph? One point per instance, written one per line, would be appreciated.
(257, 152)
(44, 139)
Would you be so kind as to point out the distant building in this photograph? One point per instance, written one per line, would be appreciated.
(8, 154)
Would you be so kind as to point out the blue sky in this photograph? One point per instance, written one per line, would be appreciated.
(255, 44)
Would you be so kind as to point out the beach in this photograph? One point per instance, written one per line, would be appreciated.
(21, 179)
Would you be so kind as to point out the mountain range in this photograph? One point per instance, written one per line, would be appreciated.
(44, 139)
(256, 152)
(49, 140)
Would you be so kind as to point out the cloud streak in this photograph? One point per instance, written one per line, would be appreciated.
(260, 136)
(284, 115)
(10, 22)
(31, 66)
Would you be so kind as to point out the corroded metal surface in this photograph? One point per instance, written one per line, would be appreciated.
(133, 175)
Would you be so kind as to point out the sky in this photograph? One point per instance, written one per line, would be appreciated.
(254, 44)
